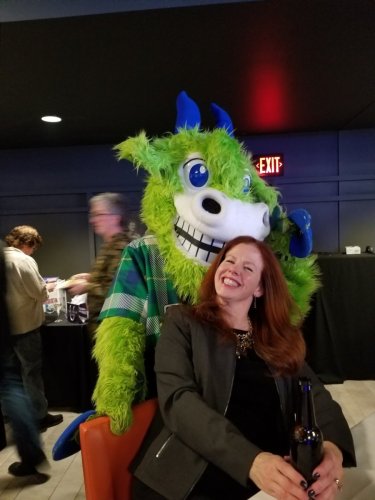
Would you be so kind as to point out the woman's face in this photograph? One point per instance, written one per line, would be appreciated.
(238, 277)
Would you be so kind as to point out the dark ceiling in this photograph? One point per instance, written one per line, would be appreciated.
(276, 66)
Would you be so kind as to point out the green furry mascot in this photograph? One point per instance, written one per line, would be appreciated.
(202, 190)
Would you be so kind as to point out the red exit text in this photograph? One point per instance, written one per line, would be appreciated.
(269, 165)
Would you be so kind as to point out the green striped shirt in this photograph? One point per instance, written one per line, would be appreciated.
(141, 290)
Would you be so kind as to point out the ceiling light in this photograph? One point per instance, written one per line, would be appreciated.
(51, 119)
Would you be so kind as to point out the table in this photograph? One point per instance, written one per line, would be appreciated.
(69, 372)
(340, 329)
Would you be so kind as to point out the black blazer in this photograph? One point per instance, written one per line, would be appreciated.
(195, 371)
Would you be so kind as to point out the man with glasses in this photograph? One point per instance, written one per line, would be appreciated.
(107, 217)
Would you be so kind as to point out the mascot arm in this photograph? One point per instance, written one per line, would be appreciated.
(119, 352)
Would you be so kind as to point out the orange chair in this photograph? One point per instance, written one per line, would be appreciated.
(106, 456)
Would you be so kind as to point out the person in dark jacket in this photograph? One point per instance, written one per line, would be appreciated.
(15, 403)
(226, 369)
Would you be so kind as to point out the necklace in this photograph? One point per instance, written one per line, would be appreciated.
(245, 341)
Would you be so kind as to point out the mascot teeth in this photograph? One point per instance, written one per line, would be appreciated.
(196, 244)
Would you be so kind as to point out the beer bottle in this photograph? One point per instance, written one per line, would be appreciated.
(306, 438)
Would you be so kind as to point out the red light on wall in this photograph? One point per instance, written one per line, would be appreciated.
(269, 165)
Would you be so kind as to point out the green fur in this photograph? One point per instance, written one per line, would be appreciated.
(119, 349)
(227, 161)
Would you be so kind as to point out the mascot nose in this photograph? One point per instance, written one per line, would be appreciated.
(211, 206)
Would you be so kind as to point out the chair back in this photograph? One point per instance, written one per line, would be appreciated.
(106, 456)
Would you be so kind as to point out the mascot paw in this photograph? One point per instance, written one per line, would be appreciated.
(301, 242)
(68, 443)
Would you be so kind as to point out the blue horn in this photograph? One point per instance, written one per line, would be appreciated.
(188, 114)
(223, 120)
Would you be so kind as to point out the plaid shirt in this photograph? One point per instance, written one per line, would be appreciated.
(141, 290)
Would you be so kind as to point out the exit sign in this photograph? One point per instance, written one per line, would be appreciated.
(269, 165)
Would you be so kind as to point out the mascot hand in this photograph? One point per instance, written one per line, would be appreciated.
(119, 352)
(301, 241)
(68, 442)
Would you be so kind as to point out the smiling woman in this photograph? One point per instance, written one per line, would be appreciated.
(247, 269)
(225, 374)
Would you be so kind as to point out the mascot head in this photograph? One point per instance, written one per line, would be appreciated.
(203, 190)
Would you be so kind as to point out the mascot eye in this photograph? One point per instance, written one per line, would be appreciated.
(246, 183)
(195, 173)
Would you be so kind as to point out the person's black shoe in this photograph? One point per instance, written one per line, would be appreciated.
(20, 469)
(49, 421)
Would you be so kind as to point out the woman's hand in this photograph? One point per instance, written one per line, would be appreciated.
(329, 472)
(275, 476)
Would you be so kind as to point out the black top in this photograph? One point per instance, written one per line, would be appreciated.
(254, 408)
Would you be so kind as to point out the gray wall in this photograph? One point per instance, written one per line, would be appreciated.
(330, 174)
(49, 188)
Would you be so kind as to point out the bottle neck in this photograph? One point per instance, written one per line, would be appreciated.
(306, 410)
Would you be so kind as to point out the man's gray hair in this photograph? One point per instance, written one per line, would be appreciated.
(115, 201)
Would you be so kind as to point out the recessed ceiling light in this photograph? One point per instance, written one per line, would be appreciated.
(51, 119)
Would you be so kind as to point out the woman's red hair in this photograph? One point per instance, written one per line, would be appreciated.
(277, 339)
